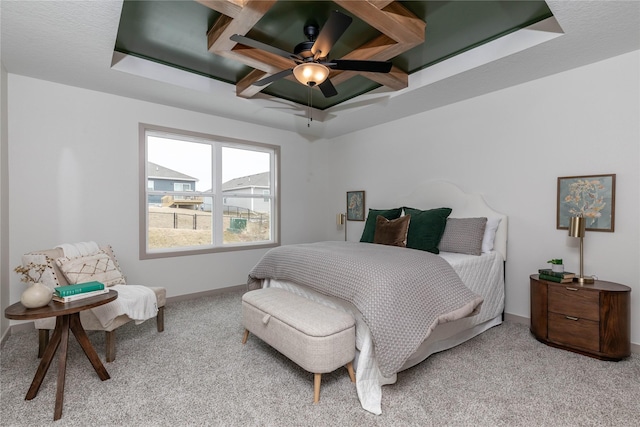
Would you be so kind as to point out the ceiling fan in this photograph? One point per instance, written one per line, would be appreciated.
(312, 67)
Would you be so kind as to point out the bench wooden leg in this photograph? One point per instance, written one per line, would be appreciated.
(160, 319)
(316, 387)
(245, 336)
(110, 344)
(349, 367)
(43, 341)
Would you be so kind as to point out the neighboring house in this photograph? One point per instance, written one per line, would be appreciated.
(251, 184)
(165, 179)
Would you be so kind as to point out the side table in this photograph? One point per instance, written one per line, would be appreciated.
(593, 320)
(67, 318)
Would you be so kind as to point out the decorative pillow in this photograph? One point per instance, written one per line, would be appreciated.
(490, 234)
(109, 251)
(370, 225)
(463, 235)
(99, 267)
(426, 228)
(392, 232)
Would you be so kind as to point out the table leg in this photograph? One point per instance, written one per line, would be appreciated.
(62, 369)
(89, 351)
(47, 357)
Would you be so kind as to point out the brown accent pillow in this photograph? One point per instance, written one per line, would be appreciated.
(392, 232)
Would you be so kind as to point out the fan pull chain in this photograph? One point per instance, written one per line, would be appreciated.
(309, 106)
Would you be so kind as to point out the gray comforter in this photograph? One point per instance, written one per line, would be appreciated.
(403, 294)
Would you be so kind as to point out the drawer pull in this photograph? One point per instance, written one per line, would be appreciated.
(571, 289)
(571, 318)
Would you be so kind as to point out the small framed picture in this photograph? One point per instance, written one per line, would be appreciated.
(590, 196)
(355, 205)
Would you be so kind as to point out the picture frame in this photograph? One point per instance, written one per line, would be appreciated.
(355, 205)
(590, 196)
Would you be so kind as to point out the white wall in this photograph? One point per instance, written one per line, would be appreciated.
(4, 202)
(74, 177)
(511, 146)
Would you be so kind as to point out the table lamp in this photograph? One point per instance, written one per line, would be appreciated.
(341, 219)
(577, 227)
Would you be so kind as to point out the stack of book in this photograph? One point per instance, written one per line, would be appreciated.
(79, 291)
(548, 274)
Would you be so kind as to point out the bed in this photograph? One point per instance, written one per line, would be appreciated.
(471, 288)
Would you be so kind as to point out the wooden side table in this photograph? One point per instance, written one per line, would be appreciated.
(67, 318)
(591, 319)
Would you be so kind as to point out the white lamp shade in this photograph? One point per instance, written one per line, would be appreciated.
(311, 73)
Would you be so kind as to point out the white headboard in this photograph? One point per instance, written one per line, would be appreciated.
(443, 194)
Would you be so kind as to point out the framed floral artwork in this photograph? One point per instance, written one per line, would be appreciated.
(590, 196)
(355, 205)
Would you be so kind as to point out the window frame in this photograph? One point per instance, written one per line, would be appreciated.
(217, 143)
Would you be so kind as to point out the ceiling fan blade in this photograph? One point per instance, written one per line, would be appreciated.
(263, 46)
(355, 65)
(273, 77)
(335, 26)
(328, 89)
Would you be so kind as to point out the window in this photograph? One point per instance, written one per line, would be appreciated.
(181, 186)
(202, 193)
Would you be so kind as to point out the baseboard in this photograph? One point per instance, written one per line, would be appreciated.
(635, 348)
(18, 327)
(212, 292)
(516, 319)
(5, 336)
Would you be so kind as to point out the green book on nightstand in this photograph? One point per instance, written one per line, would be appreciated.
(563, 275)
(556, 279)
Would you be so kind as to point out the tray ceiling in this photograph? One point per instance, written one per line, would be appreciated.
(175, 33)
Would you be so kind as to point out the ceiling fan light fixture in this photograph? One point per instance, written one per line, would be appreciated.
(311, 73)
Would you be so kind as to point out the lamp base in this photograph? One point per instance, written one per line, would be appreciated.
(584, 280)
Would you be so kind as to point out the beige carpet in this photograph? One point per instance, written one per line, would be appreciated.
(197, 373)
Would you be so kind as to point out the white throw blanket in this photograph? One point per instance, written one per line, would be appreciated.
(74, 250)
(137, 302)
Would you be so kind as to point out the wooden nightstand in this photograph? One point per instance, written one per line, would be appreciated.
(594, 320)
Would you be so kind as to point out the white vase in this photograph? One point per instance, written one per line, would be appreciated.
(36, 295)
(558, 268)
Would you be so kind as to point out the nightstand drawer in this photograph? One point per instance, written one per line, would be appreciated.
(574, 301)
(574, 332)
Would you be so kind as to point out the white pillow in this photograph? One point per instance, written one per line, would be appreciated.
(98, 267)
(490, 234)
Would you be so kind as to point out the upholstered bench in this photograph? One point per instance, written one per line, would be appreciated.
(318, 338)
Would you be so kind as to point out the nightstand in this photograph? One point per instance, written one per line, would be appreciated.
(594, 320)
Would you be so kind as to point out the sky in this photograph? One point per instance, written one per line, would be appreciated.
(194, 159)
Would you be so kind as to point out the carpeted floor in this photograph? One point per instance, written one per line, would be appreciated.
(197, 372)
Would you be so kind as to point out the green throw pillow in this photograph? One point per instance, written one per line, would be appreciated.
(370, 225)
(426, 228)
